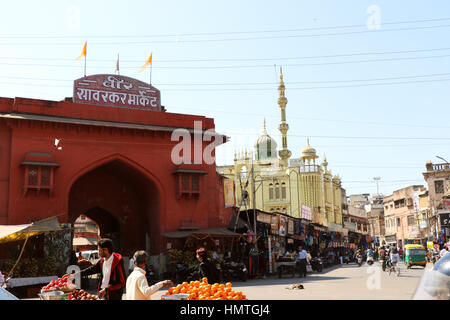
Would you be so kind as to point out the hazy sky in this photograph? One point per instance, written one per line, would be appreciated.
(367, 81)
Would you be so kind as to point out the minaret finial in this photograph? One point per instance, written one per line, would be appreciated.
(284, 153)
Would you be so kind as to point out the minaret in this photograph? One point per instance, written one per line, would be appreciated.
(284, 153)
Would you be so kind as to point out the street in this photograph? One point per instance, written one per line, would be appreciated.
(346, 282)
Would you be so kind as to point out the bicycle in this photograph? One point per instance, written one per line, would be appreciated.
(393, 267)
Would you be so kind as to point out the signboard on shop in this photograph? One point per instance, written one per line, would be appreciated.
(274, 224)
(306, 212)
(291, 226)
(444, 219)
(283, 226)
(116, 91)
(446, 203)
(351, 226)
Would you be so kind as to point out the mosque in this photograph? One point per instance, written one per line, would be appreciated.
(268, 181)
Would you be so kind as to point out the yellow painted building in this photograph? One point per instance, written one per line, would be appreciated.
(266, 180)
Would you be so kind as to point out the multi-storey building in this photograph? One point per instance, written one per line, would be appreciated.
(401, 211)
(437, 177)
(375, 216)
(357, 214)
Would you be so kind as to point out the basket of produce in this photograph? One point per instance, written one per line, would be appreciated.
(202, 290)
(81, 295)
(62, 284)
(179, 296)
(52, 295)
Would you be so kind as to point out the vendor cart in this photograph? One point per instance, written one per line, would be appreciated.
(285, 266)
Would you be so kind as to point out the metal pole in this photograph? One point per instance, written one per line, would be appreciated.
(254, 201)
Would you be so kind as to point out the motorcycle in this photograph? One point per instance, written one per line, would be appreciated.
(316, 264)
(233, 271)
(346, 258)
(436, 257)
(359, 260)
(369, 260)
(183, 273)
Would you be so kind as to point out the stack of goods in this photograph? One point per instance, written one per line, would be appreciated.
(204, 291)
(81, 295)
(61, 284)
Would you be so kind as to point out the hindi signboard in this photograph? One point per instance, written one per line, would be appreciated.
(116, 91)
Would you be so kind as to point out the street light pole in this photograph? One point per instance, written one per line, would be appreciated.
(377, 179)
(442, 159)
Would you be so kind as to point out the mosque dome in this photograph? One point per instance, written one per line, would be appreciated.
(309, 152)
(265, 146)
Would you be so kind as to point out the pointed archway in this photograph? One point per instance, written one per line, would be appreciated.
(122, 200)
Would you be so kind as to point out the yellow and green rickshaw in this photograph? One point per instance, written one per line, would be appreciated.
(415, 255)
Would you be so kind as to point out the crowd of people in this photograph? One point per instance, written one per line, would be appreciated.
(113, 281)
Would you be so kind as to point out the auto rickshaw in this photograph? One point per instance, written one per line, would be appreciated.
(415, 255)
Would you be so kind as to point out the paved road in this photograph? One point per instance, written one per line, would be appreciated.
(346, 282)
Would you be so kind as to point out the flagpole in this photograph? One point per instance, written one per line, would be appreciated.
(151, 67)
(85, 66)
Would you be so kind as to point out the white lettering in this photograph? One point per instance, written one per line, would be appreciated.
(198, 142)
(183, 147)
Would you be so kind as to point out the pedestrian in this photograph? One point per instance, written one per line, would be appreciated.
(137, 285)
(111, 270)
(302, 261)
(444, 250)
(206, 268)
(73, 258)
(131, 265)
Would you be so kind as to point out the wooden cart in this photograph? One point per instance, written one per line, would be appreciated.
(285, 267)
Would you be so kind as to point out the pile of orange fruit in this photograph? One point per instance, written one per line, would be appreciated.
(202, 290)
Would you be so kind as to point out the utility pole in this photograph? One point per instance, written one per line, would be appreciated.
(254, 202)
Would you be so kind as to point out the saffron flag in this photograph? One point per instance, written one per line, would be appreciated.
(83, 52)
(147, 63)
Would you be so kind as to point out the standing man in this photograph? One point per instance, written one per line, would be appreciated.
(302, 260)
(111, 270)
(206, 268)
(137, 285)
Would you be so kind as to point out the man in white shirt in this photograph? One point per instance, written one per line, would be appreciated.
(444, 251)
(137, 286)
(302, 260)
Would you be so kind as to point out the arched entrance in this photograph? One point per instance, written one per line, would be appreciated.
(123, 201)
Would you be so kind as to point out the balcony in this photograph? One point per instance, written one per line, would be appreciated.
(438, 167)
(309, 168)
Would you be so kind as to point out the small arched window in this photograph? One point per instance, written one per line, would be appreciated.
(270, 191)
(277, 190)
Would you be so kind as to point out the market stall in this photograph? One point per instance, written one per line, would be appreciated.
(15, 234)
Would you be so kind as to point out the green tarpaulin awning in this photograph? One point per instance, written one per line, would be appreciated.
(217, 232)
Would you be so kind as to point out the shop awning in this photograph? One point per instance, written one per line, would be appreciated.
(217, 232)
(9, 233)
